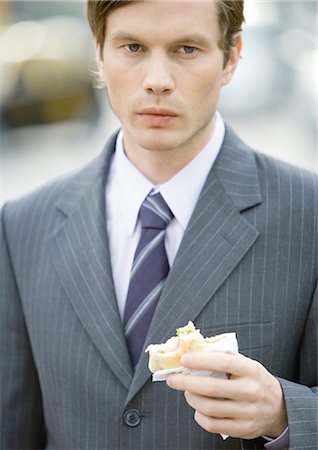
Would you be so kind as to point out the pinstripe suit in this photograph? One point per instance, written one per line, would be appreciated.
(247, 263)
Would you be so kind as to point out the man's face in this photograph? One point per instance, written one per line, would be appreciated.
(164, 70)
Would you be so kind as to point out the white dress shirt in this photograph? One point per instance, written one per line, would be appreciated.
(127, 188)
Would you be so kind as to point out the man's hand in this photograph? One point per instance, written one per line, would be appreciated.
(247, 405)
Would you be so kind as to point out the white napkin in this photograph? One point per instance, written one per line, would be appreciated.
(228, 344)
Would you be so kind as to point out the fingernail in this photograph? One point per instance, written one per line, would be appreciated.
(169, 380)
(185, 359)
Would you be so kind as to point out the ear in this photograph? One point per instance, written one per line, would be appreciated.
(233, 60)
(99, 61)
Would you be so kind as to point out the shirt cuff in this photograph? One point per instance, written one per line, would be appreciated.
(280, 442)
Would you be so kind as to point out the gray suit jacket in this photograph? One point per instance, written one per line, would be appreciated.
(247, 263)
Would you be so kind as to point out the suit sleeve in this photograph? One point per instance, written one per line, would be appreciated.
(302, 399)
(21, 413)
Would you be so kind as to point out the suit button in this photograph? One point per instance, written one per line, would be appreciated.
(132, 417)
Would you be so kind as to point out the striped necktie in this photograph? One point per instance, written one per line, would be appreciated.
(149, 271)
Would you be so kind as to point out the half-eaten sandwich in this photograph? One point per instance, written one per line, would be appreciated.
(187, 339)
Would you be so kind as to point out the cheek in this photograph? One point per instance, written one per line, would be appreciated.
(112, 76)
(119, 85)
(207, 90)
(115, 84)
(207, 81)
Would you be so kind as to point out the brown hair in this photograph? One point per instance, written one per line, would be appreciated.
(230, 18)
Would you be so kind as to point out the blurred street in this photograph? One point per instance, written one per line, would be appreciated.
(52, 119)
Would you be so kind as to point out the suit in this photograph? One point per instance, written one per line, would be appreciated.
(247, 263)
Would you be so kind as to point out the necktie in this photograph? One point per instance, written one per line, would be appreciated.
(149, 271)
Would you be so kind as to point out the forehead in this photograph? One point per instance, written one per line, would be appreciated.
(168, 17)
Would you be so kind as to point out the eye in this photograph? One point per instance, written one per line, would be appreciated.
(188, 50)
(132, 48)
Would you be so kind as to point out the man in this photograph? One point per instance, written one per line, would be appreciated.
(237, 229)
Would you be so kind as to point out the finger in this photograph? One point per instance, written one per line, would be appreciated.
(206, 386)
(230, 427)
(218, 408)
(221, 362)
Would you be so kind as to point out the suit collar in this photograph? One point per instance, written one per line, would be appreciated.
(90, 177)
(236, 170)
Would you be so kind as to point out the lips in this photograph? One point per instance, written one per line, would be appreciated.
(157, 116)
(158, 112)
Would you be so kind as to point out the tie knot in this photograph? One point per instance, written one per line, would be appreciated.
(155, 213)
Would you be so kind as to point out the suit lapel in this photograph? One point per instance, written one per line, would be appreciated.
(81, 256)
(216, 239)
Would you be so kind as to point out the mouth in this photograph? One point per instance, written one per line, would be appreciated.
(157, 116)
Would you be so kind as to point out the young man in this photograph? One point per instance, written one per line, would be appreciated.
(176, 220)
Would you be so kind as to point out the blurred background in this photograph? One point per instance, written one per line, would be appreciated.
(53, 119)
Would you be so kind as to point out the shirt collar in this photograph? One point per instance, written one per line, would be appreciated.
(131, 185)
(180, 195)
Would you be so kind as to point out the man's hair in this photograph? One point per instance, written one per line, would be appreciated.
(230, 19)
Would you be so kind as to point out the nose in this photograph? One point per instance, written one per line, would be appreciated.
(158, 79)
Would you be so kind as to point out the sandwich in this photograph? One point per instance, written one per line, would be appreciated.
(167, 356)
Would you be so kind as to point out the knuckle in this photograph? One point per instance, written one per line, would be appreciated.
(211, 390)
(181, 383)
(209, 410)
(227, 366)
(251, 412)
(258, 368)
(251, 393)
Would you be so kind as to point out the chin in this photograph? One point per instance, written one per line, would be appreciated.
(159, 140)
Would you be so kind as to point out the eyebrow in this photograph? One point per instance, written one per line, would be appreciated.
(193, 38)
(124, 36)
